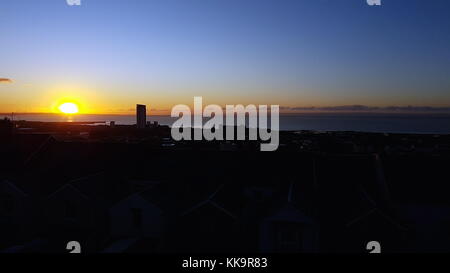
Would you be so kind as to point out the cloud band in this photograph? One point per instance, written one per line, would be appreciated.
(5, 80)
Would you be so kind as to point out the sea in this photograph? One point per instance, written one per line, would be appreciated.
(426, 123)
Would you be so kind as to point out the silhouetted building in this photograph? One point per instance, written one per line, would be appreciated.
(141, 116)
(153, 124)
(6, 127)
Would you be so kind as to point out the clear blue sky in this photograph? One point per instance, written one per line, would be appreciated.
(111, 54)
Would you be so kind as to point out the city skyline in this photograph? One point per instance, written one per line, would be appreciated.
(106, 56)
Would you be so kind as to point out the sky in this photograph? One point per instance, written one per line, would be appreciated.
(108, 55)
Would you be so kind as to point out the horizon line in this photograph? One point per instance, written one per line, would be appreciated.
(284, 110)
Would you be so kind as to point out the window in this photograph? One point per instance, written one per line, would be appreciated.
(288, 237)
(7, 204)
(70, 210)
(137, 217)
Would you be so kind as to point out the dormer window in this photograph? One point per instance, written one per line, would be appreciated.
(136, 214)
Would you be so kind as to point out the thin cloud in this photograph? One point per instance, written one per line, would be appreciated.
(364, 108)
(5, 80)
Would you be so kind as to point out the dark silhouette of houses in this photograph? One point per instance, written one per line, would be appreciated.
(121, 190)
(16, 213)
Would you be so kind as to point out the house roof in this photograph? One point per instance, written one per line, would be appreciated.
(220, 199)
(30, 145)
(100, 186)
(350, 188)
(290, 213)
(14, 186)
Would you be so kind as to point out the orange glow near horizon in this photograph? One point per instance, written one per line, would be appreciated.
(95, 100)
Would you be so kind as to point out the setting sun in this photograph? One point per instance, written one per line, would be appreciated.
(68, 108)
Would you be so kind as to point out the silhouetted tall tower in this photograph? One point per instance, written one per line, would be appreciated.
(141, 116)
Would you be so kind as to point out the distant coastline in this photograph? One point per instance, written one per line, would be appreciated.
(371, 122)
